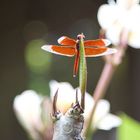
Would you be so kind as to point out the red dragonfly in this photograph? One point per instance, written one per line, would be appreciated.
(70, 47)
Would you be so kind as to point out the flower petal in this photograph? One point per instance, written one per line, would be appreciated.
(106, 16)
(66, 94)
(102, 109)
(108, 122)
(27, 109)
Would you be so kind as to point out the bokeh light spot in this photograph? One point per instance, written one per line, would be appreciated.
(37, 60)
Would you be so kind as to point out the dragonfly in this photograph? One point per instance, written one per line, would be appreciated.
(70, 47)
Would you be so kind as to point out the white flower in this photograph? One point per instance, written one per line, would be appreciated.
(28, 111)
(114, 18)
(67, 95)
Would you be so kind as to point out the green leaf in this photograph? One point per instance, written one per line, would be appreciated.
(82, 72)
(129, 130)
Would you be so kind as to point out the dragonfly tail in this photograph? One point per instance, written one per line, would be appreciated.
(76, 64)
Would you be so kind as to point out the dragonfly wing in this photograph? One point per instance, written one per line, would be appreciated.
(60, 50)
(64, 40)
(97, 43)
(92, 52)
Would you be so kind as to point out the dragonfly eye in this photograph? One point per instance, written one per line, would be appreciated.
(80, 36)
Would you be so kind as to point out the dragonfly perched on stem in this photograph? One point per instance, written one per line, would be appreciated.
(70, 47)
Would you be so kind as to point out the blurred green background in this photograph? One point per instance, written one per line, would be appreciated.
(27, 24)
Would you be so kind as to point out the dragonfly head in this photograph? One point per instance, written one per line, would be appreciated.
(80, 36)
